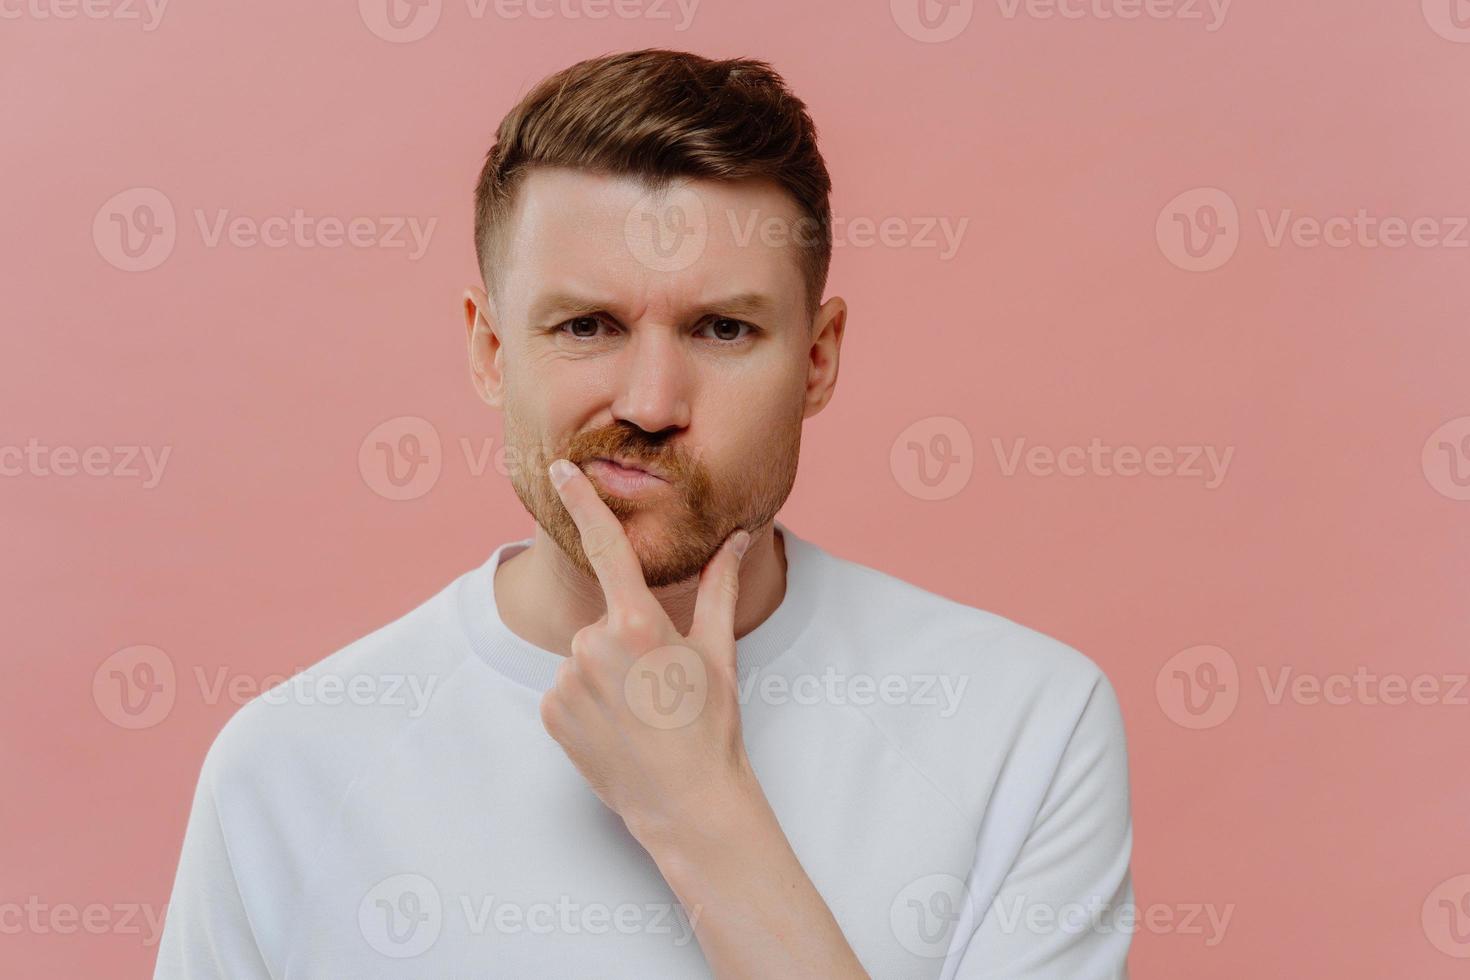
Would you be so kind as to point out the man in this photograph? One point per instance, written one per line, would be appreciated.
(665, 736)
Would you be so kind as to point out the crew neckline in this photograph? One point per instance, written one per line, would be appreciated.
(527, 664)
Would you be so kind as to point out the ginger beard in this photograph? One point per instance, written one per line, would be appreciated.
(676, 532)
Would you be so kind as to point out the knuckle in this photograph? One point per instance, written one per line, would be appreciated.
(633, 621)
(637, 628)
(589, 657)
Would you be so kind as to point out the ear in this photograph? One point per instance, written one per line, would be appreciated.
(827, 329)
(484, 345)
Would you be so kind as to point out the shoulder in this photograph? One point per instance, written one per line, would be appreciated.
(909, 628)
(309, 734)
(975, 694)
(274, 780)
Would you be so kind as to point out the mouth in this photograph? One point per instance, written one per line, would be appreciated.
(624, 478)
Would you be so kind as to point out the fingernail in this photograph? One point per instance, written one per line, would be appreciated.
(742, 541)
(560, 471)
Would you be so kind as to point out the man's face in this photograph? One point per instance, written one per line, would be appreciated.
(666, 331)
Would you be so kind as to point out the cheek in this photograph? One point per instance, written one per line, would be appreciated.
(552, 401)
(740, 433)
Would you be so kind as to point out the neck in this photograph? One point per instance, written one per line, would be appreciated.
(544, 599)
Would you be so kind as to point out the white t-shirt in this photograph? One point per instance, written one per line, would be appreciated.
(954, 784)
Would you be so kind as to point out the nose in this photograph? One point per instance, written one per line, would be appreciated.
(652, 382)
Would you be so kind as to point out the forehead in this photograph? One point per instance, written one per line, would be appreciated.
(614, 239)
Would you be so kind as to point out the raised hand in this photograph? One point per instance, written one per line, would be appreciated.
(649, 716)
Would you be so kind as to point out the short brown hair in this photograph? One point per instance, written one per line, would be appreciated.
(660, 115)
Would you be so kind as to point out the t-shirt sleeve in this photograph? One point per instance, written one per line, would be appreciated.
(206, 931)
(1065, 908)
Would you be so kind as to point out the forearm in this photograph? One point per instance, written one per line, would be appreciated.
(754, 910)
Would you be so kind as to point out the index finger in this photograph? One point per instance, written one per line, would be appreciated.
(607, 547)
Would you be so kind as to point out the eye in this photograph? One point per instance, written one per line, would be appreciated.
(723, 326)
(580, 328)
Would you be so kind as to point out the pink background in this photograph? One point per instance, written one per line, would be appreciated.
(1334, 544)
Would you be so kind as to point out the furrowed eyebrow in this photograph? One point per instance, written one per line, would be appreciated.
(742, 304)
(566, 305)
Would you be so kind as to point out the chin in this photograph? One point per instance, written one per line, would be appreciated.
(654, 526)
(669, 548)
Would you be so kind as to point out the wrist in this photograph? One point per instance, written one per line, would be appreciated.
(708, 821)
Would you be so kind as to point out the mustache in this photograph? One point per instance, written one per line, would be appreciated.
(631, 443)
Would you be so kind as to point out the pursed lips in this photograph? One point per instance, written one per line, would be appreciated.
(629, 464)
